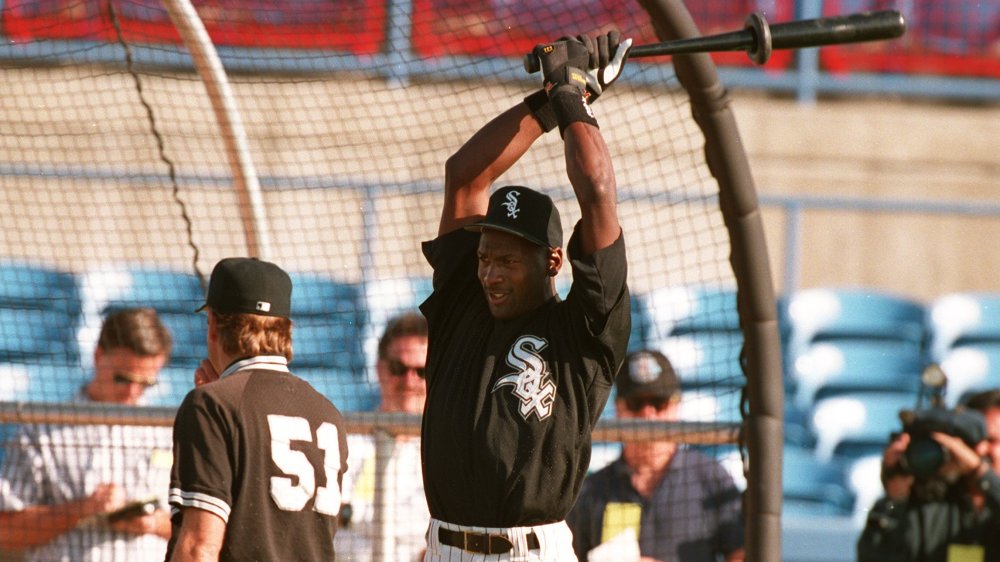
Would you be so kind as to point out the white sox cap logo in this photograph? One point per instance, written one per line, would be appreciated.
(511, 204)
(532, 382)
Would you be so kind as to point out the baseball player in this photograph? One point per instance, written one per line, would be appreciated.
(259, 455)
(517, 378)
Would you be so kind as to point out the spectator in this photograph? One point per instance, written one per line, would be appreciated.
(680, 505)
(402, 355)
(921, 520)
(59, 482)
(259, 454)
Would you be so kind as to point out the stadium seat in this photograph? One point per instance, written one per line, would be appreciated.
(970, 369)
(837, 366)
(962, 318)
(706, 358)
(384, 299)
(40, 381)
(811, 486)
(856, 424)
(175, 295)
(822, 314)
(327, 323)
(672, 311)
(864, 479)
(718, 405)
(39, 313)
(347, 389)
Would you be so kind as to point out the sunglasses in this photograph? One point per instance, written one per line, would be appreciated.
(399, 369)
(638, 403)
(123, 379)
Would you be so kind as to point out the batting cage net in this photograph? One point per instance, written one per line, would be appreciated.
(126, 172)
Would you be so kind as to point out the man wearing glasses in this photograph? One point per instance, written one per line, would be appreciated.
(60, 483)
(678, 504)
(402, 355)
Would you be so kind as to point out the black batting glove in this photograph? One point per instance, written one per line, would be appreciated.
(607, 54)
(564, 63)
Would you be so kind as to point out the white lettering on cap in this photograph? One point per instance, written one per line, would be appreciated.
(644, 369)
(511, 204)
(263, 306)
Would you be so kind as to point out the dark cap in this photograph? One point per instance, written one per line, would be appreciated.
(249, 286)
(647, 373)
(523, 212)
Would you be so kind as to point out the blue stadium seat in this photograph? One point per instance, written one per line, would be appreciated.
(812, 487)
(41, 381)
(712, 405)
(857, 424)
(175, 295)
(672, 311)
(837, 366)
(345, 388)
(706, 358)
(823, 314)
(385, 299)
(970, 369)
(39, 313)
(327, 317)
(963, 318)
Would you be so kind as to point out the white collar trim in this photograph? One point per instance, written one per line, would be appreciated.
(264, 362)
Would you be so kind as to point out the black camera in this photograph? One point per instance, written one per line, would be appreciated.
(924, 456)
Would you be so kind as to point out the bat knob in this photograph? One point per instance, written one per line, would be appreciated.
(761, 50)
(531, 64)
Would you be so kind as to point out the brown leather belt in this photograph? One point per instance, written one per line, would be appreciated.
(482, 543)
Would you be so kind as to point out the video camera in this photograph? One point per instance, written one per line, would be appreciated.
(924, 456)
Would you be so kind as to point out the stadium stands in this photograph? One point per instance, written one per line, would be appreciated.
(855, 357)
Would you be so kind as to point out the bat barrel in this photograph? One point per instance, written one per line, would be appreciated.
(835, 30)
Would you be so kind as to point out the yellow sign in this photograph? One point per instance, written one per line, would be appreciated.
(620, 517)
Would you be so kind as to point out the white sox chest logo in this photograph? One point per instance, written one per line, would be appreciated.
(511, 204)
(532, 382)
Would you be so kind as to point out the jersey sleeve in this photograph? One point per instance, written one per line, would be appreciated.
(202, 474)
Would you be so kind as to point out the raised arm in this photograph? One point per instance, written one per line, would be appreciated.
(576, 71)
(490, 152)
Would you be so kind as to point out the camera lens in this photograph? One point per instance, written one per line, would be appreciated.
(923, 457)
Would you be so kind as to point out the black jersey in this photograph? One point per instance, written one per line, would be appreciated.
(266, 452)
(511, 404)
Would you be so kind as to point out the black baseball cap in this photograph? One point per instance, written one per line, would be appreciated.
(249, 286)
(523, 212)
(647, 373)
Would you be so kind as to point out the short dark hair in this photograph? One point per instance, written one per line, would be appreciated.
(982, 401)
(138, 330)
(406, 324)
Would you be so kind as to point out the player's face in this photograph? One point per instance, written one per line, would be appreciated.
(122, 377)
(401, 375)
(513, 273)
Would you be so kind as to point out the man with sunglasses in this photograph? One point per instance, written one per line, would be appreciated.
(59, 483)
(678, 504)
(402, 357)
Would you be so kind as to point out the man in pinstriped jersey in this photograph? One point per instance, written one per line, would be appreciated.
(59, 481)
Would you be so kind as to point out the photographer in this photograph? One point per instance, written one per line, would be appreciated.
(952, 513)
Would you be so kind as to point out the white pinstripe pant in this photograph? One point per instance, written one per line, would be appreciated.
(555, 544)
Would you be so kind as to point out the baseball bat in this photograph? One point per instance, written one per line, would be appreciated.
(758, 38)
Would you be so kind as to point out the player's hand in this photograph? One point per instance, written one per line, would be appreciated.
(607, 59)
(564, 63)
(205, 373)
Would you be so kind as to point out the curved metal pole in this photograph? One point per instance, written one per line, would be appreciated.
(213, 75)
(763, 426)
